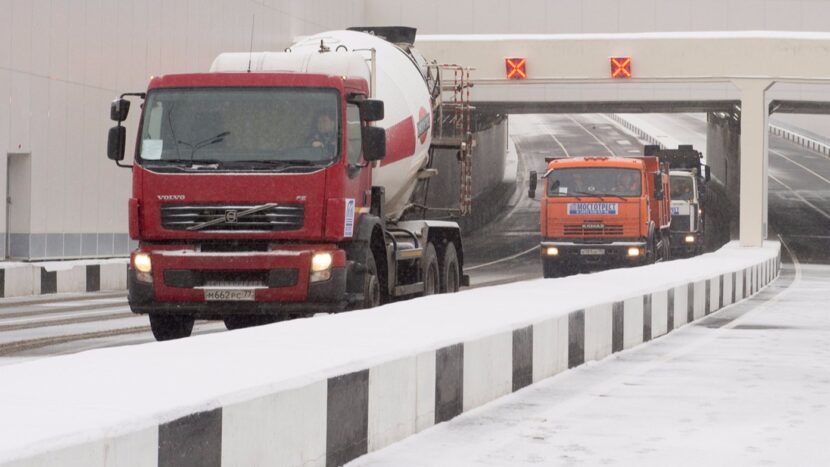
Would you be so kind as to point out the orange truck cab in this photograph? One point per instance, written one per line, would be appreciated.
(601, 212)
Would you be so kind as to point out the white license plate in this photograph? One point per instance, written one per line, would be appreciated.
(229, 295)
(592, 251)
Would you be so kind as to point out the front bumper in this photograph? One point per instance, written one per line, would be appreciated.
(285, 288)
(679, 243)
(594, 254)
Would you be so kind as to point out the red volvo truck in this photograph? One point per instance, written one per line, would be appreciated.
(600, 212)
(276, 184)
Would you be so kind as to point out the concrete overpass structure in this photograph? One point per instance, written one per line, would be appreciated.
(752, 62)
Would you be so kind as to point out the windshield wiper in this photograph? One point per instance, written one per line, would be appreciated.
(182, 163)
(598, 195)
(282, 164)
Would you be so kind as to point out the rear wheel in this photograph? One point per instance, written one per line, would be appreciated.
(431, 275)
(371, 283)
(450, 272)
(666, 248)
(166, 327)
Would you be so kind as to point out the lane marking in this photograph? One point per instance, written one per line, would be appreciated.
(552, 135)
(798, 195)
(517, 255)
(802, 166)
(610, 152)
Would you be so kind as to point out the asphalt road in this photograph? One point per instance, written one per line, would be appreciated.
(504, 251)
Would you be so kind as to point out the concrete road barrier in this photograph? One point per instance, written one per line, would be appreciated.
(42, 278)
(324, 391)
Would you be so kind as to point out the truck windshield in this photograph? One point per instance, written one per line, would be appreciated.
(594, 181)
(228, 126)
(682, 188)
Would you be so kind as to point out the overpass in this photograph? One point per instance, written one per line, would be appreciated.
(752, 62)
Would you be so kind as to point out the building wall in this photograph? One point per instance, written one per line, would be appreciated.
(63, 61)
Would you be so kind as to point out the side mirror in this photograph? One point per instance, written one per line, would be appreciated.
(116, 142)
(374, 143)
(119, 109)
(658, 186)
(371, 110)
(707, 173)
(533, 180)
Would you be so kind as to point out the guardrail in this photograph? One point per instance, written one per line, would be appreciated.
(801, 140)
(323, 391)
(27, 279)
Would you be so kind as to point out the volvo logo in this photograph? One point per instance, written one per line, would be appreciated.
(231, 216)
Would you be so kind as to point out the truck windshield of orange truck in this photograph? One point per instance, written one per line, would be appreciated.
(240, 126)
(594, 181)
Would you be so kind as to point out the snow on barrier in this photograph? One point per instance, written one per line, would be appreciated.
(24, 279)
(323, 391)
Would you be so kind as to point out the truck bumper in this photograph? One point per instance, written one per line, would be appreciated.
(680, 244)
(281, 284)
(593, 255)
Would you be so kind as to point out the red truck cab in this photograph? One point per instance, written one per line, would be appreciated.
(250, 179)
(600, 212)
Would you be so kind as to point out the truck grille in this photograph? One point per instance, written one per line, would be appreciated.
(680, 223)
(275, 217)
(580, 230)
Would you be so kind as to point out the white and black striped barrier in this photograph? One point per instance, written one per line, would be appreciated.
(26, 279)
(324, 391)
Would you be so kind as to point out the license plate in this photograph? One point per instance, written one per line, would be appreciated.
(592, 251)
(229, 295)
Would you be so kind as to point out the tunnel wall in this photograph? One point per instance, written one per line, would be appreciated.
(489, 192)
(723, 149)
(279, 395)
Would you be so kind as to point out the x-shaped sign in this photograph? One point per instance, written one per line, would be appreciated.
(516, 68)
(620, 67)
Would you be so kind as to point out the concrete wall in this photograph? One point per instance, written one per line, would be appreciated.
(63, 61)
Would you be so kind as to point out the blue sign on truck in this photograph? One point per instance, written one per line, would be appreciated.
(576, 209)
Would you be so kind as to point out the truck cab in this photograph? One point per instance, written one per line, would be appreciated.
(687, 215)
(600, 212)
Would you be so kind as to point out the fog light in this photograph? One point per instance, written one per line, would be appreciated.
(633, 251)
(690, 238)
(142, 263)
(321, 262)
(551, 251)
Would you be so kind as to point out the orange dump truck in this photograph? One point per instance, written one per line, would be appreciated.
(601, 212)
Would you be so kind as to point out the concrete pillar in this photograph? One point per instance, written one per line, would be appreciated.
(754, 160)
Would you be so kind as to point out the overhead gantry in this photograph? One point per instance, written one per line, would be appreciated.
(514, 72)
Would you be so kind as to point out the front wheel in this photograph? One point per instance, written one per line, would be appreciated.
(549, 269)
(431, 275)
(167, 327)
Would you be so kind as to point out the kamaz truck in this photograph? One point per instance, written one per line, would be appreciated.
(601, 212)
(275, 185)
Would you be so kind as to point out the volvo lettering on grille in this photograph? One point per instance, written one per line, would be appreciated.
(577, 209)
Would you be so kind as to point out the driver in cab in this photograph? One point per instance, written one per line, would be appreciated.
(324, 136)
(627, 183)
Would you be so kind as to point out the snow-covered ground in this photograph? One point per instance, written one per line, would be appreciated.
(68, 400)
(748, 386)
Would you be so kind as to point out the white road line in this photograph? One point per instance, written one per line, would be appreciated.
(478, 266)
(62, 316)
(800, 165)
(798, 195)
(610, 152)
(553, 135)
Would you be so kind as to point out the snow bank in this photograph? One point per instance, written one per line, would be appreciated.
(326, 390)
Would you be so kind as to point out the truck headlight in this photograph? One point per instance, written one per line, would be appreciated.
(690, 239)
(633, 252)
(321, 266)
(551, 251)
(142, 263)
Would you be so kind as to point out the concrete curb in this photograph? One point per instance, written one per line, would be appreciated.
(330, 421)
(800, 140)
(33, 279)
